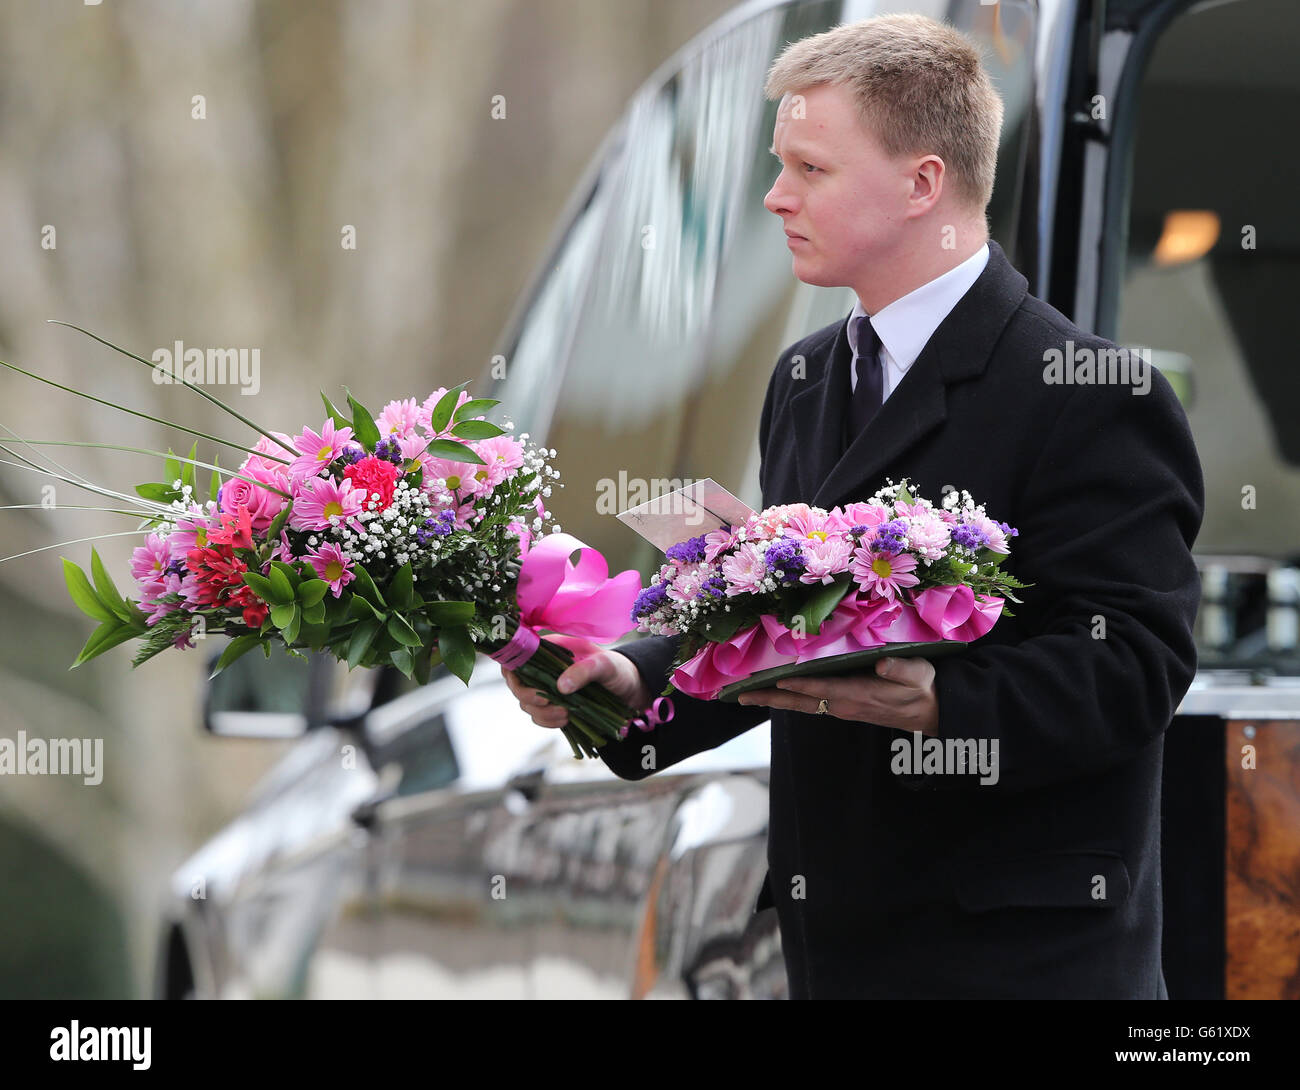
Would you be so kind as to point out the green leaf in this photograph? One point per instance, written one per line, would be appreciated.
(281, 589)
(83, 595)
(283, 614)
(171, 467)
(277, 523)
(313, 615)
(453, 613)
(820, 603)
(187, 470)
(340, 421)
(311, 591)
(721, 628)
(362, 610)
(290, 631)
(441, 415)
(422, 666)
(457, 651)
(474, 407)
(476, 429)
(364, 429)
(416, 479)
(362, 636)
(158, 492)
(401, 593)
(214, 486)
(365, 586)
(289, 573)
(315, 636)
(401, 658)
(108, 593)
(453, 451)
(240, 645)
(261, 587)
(107, 635)
(401, 631)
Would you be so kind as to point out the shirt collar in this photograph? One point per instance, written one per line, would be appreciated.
(906, 324)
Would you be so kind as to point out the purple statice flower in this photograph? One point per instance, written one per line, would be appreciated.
(350, 454)
(649, 600)
(713, 587)
(971, 538)
(389, 450)
(891, 537)
(784, 559)
(690, 551)
(1008, 530)
(439, 525)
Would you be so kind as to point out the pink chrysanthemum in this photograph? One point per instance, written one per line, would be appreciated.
(330, 564)
(149, 561)
(686, 583)
(502, 456)
(882, 574)
(458, 475)
(928, 534)
(191, 530)
(825, 558)
(399, 418)
(320, 499)
(768, 523)
(317, 451)
(717, 541)
(817, 525)
(466, 515)
(744, 570)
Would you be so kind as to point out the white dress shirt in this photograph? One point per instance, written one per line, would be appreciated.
(906, 324)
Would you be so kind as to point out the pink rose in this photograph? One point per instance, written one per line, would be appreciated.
(263, 505)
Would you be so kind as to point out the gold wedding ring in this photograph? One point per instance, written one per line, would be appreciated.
(822, 706)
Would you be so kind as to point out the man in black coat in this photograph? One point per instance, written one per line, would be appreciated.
(894, 878)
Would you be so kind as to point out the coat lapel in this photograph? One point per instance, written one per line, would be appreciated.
(960, 348)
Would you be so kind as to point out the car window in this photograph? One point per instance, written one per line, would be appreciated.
(1213, 259)
(645, 354)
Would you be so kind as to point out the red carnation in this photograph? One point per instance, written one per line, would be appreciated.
(371, 475)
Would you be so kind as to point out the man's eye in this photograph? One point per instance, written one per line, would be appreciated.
(810, 165)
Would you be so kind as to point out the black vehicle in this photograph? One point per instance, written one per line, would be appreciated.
(434, 842)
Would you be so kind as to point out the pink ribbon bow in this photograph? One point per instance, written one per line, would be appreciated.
(578, 600)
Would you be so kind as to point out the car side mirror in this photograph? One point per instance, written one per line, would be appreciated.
(257, 696)
(527, 783)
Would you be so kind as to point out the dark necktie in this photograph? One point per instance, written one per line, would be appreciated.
(869, 393)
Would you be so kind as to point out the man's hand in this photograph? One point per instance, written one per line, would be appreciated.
(608, 668)
(900, 695)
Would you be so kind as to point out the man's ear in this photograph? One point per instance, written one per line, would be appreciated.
(927, 181)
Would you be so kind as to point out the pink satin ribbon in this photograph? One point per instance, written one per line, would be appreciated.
(652, 716)
(858, 624)
(579, 600)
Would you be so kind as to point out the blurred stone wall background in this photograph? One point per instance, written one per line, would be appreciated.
(122, 211)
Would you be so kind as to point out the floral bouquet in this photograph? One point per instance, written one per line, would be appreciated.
(800, 590)
(411, 538)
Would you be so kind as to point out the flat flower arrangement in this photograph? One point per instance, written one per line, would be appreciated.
(798, 590)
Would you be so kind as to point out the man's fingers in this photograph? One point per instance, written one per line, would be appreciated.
(583, 673)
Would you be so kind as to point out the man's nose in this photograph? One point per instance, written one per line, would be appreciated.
(778, 201)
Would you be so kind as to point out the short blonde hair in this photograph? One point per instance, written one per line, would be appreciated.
(919, 85)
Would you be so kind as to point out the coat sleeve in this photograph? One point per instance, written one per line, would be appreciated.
(1110, 513)
(696, 724)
